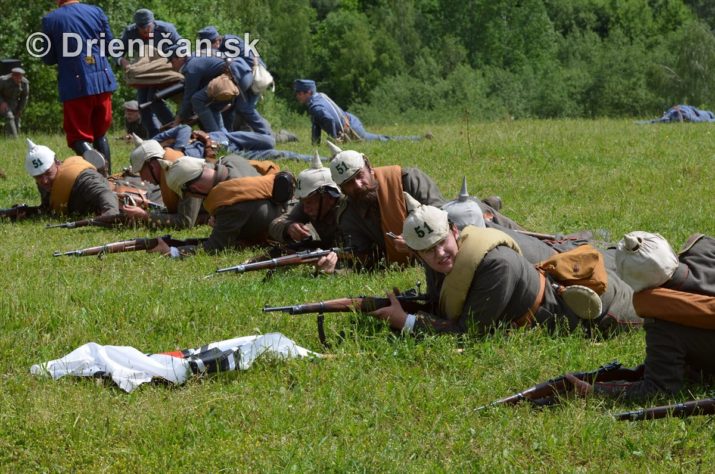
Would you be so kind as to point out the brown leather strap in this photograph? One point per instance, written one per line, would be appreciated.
(527, 319)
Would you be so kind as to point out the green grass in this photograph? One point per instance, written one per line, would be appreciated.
(380, 403)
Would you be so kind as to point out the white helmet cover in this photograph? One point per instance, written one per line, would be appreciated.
(645, 260)
(424, 226)
(39, 158)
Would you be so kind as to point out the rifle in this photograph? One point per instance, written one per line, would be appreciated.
(411, 300)
(297, 258)
(546, 393)
(101, 221)
(19, 211)
(582, 235)
(162, 94)
(130, 245)
(680, 410)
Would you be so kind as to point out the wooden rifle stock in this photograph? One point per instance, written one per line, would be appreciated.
(545, 393)
(680, 410)
(130, 245)
(411, 301)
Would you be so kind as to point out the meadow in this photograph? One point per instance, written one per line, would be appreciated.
(378, 402)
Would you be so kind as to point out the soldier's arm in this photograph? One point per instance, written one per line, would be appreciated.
(185, 217)
(51, 57)
(665, 364)
(230, 220)
(191, 86)
(422, 187)
(278, 229)
(94, 190)
(24, 96)
(323, 119)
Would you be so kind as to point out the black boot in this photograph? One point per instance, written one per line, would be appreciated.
(101, 144)
(85, 150)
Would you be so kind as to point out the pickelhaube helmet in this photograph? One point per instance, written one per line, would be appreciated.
(39, 158)
(465, 210)
(645, 260)
(314, 178)
(181, 171)
(145, 150)
(424, 226)
(345, 164)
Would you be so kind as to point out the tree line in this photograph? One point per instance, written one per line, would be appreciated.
(436, 59)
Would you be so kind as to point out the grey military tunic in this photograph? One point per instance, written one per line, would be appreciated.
(243, 223)
(504, 287)
(326, 227)
(90, 194)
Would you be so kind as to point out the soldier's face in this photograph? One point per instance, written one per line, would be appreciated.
(17, 78)
(317, 205)
(45, 180)
(303, 97)
(362, 186)
(151, 171)
(146, 31)
(131, 116)
(440, 257)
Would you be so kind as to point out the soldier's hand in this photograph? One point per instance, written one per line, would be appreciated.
(327, 263)
(298, 231)
(161, 247)
(393, 314)
(3, 107)
(134, 212)
(581, 387)
(400, 244)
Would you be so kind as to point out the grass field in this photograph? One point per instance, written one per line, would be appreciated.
(380, 403)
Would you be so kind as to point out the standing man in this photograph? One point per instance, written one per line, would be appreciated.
(327, 116)
(150, 32)
(85, 81)
(14, 92)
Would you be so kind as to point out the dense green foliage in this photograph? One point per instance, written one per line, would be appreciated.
(378, 403)
(397, 60)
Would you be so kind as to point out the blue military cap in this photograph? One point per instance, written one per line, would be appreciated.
(304, 85)
(143, 17)
(209, 33)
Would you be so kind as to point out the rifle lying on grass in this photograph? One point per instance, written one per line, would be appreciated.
(547, 393)
(100, 221)
(680, 410)
(130, 245)
(297, 258)
(411, 300)
(19, 211)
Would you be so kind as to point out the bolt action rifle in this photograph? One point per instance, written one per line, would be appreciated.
(20, 211)
(547, 393)
(296, 258)
(130, 245)
(680, 410)
(411, 300)
(100, 221)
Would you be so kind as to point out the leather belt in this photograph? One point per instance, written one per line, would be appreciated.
(527, 319)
